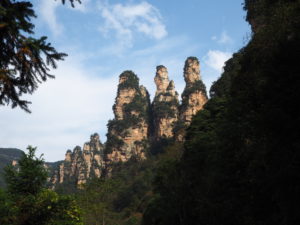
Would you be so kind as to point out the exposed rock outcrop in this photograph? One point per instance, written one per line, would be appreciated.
(128, 131)
(81, 164)
(165, 105)
(193, 97)
(137, 125)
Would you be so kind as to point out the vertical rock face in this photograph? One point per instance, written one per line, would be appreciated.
(161, 79)
(165, 105)
(193, 97)
(128, 131)
(191, 71)
(81, 164)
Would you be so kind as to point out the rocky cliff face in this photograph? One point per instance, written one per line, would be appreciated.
(136, 124)
(193, 97)
(128, 131)
(165, 105)
(81, 164)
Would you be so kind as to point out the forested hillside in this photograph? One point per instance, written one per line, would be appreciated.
(241, 157)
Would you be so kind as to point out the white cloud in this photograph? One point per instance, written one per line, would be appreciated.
(125, 20)
(216, 59)
(65, 111)
(47, 12)
(223, 39)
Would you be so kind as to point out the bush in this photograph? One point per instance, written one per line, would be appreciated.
(132, 81)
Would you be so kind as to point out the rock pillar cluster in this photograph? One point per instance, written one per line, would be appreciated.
(81, 164)
(137, 124)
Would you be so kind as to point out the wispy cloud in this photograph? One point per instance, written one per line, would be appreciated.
(126, 20)
(215, 59)
(47, 12)
(224, 38)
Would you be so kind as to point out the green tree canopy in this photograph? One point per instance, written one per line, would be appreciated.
(27, 201)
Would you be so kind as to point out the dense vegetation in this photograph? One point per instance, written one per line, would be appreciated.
(27, 201)
(120, 199)
(241, 156)
(164, 109)
(130, 80)
(125, 196)
(6, 157)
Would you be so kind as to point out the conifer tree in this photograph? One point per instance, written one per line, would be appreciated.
(25, 61)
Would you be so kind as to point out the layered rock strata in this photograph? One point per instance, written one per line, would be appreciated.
(81, 164)
(128, 131)
(165, 105)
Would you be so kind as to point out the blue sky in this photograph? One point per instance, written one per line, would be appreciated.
(104, 38)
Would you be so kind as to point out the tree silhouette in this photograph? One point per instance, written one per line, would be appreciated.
(25, 61)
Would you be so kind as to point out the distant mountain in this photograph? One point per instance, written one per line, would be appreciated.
(7, 155)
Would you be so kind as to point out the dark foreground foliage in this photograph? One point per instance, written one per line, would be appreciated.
(241, 160)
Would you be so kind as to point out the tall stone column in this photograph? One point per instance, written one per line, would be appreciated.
(165, 105)
(193, 97)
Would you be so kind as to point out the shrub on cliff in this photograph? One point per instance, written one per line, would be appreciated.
(130, 80)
